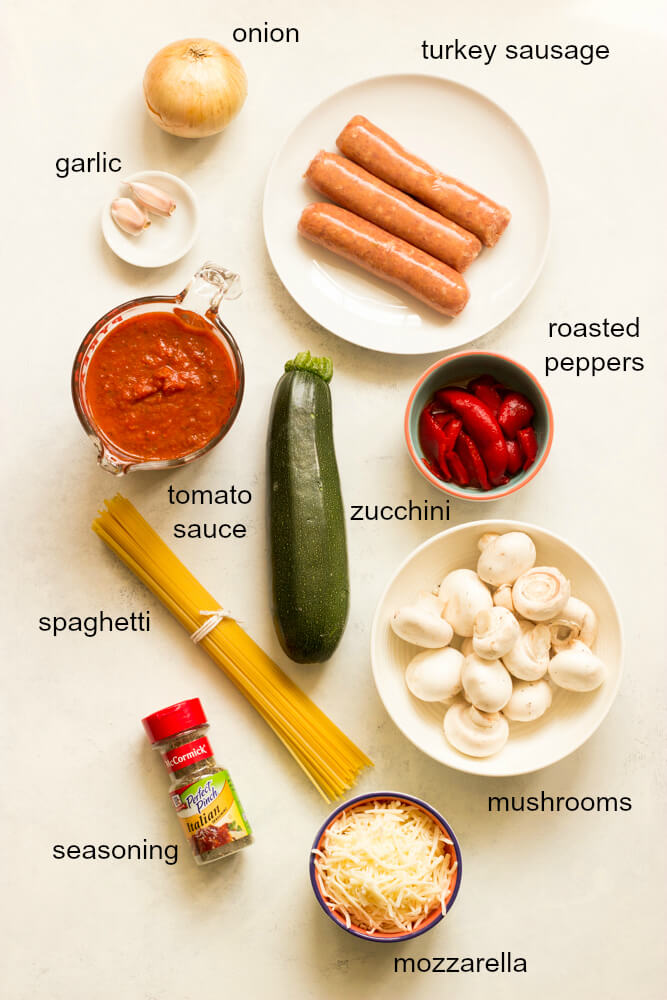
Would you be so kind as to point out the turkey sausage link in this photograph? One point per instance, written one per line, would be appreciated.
(353, 188)
(373, 149)
(385, 256)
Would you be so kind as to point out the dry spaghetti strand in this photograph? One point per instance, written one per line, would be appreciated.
(325, 754)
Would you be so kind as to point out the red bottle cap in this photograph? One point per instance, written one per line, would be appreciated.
(177, 718)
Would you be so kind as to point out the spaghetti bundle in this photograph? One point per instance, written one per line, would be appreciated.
(328, 757)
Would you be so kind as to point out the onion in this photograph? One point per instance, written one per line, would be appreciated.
(193, 88)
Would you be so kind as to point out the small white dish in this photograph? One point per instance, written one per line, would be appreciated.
(572, 718)
(166, 239)
(456, 129)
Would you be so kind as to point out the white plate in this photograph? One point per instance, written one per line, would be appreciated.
(572, 718)
(166, 239)
(460, 131)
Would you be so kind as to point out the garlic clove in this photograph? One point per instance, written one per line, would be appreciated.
(541, 593)
(577, 668)
(495, 631)
(152, 198)
(129, 216)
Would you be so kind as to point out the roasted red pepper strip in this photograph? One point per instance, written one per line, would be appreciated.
(528, 442)
(484, 388)
(483, 428)
(491, 397)
(444, 468)
(437, 409)
(431, 436)
(515, 412)
(451, 431)
(482, 380)
(436, 471)
(438, 442)
(441, 417)
(459, 472)
(469, 454)
(514, 456)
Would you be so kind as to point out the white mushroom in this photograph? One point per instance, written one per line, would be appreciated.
(529, 701)
(465, 596)
(505, 557)
(494, 633)
(486, 539)
(529, 657)
(541, 593)
(422, 623)
(577, 668)
(576, 621)
(502, 597)
(435, 674)
(478, 734)
(466, 646)
(486, 683)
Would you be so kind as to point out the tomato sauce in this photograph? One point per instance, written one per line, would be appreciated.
(159, 387)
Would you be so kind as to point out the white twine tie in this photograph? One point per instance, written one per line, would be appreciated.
(213, 618)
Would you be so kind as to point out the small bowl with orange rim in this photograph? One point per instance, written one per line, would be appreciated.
(355, 863)
(478, 425)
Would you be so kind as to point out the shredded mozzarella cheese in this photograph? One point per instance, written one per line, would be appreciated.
(385, 866)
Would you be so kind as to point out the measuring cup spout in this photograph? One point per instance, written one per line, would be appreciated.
(110, 463)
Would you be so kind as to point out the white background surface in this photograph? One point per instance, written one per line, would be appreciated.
(580, 896)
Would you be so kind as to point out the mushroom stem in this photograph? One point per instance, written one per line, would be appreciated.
(475, 733)
(422, 623)
(541, 593)
(576, 621)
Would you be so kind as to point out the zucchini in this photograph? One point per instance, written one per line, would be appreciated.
(311, 588)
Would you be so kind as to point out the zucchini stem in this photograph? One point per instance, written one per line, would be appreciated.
(303, 362)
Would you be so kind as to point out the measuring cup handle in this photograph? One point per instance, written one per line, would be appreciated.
(209, 286)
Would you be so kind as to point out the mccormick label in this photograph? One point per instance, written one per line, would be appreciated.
(210, 812)
(188, 754)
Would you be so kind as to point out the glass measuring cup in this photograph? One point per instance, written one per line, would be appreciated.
(199, 301)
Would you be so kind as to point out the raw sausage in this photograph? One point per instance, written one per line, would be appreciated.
(385, 256)
(373, 149)
(352, 187)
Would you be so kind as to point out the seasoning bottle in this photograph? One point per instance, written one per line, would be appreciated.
(202, 793)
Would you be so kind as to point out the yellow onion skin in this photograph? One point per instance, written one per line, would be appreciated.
(194, 88)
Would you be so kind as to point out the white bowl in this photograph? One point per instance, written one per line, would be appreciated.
(573, 717)
(166, 239)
